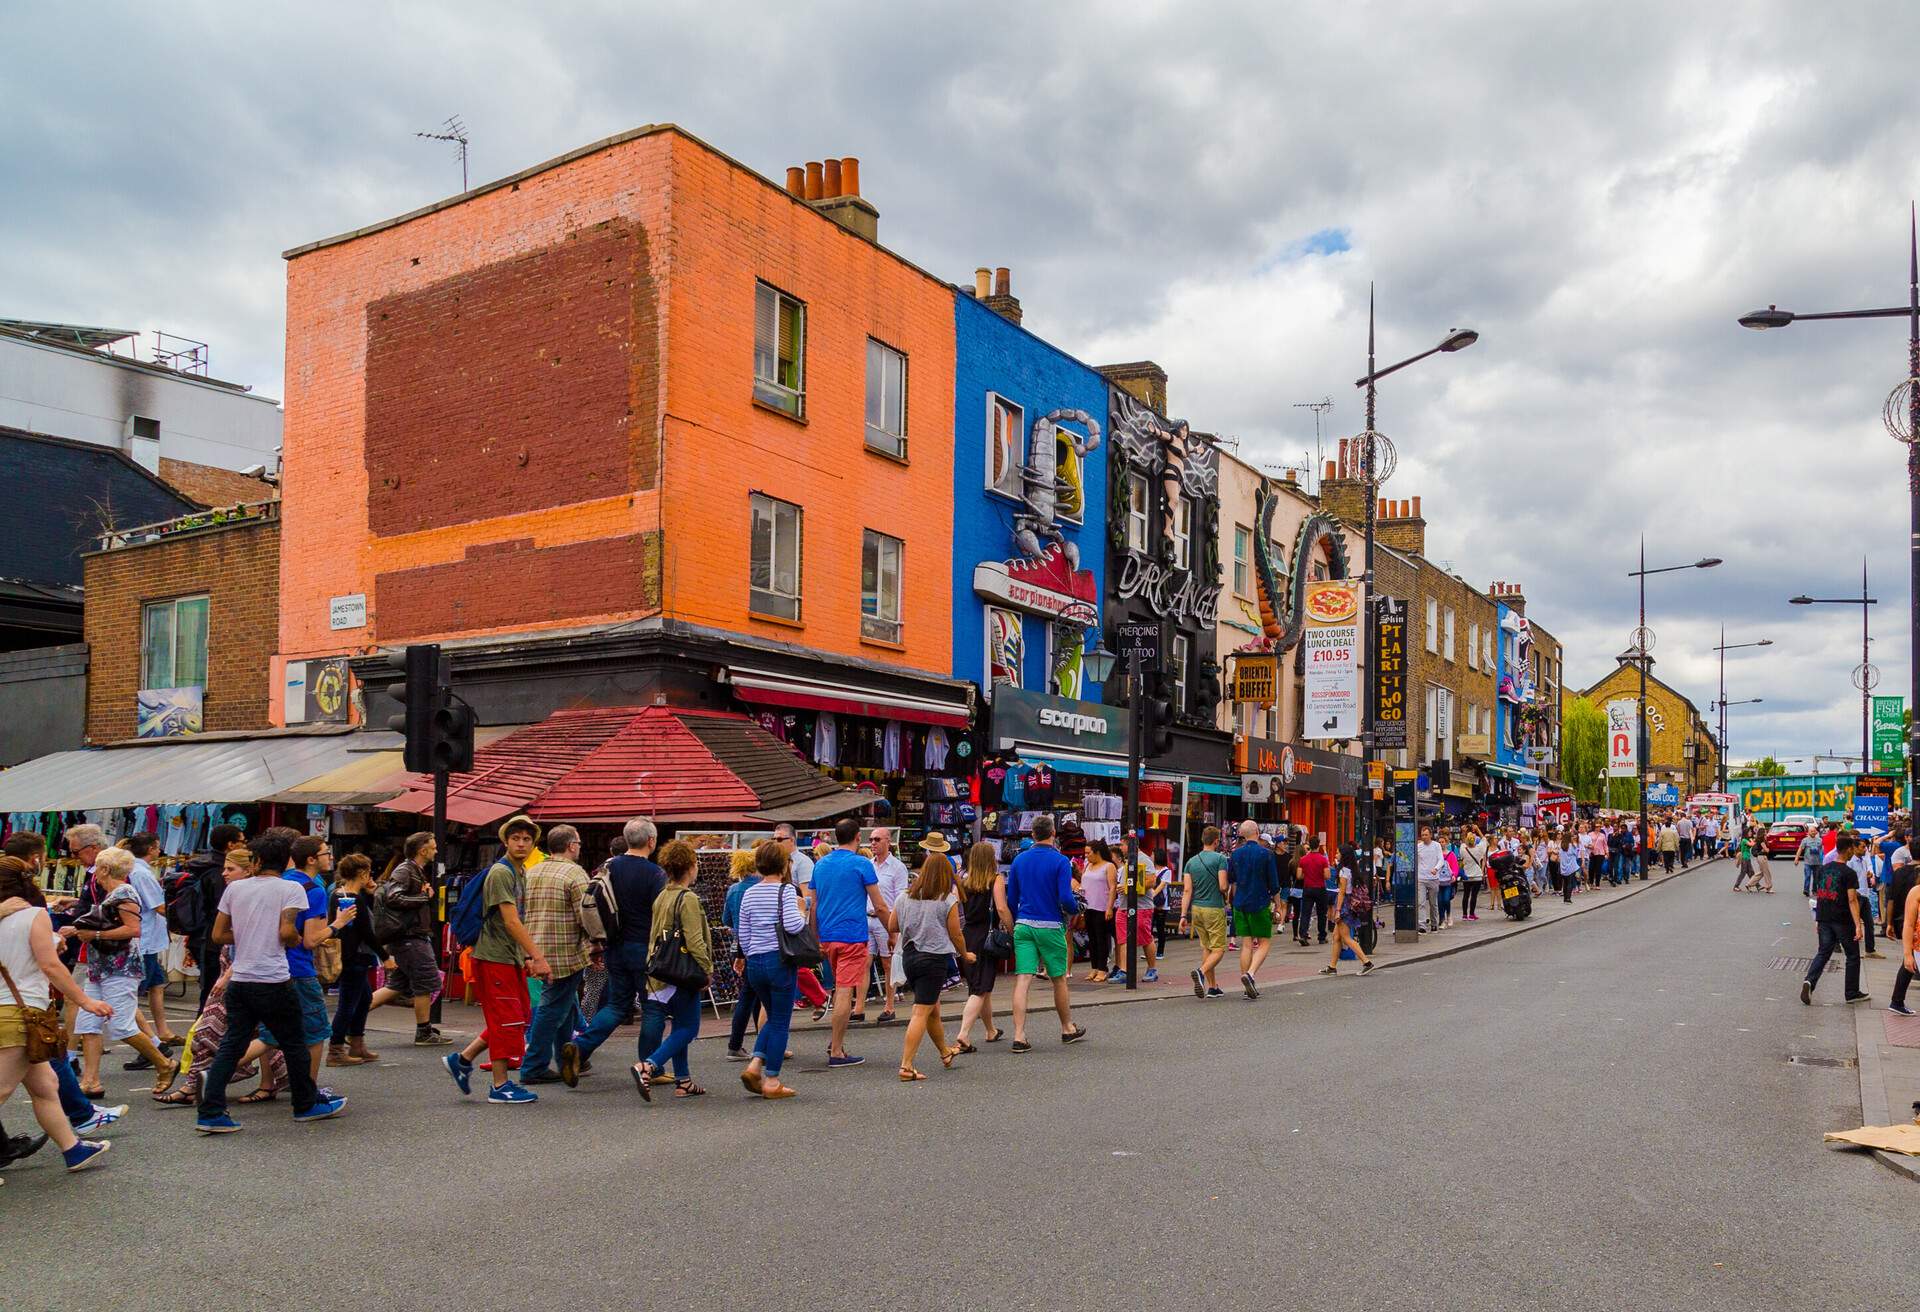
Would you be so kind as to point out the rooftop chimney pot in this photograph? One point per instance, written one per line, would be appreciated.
(1416, 507)
(797, 182)
(830, 181)
(849, 176)
(815, 180)
(1329, 471)
(983, 282)
(1002, 281)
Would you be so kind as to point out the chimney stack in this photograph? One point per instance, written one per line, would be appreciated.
(1328, 473)
(1402, 528)
(833, 188)
(1003, 301)
(1143, 380)
(1292, 476)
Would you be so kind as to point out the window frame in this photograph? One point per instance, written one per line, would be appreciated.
(171, 605)
(1242, 560)
(769, 390)
(1180, 658)
(1180, 530)
(1440, 720)
(873, 624)
(1447, 624)
(1140, 514)
(1433, 626)
(891, 444)
(1473, 645)
(758, 598)
(1063, 452)
(1015, 471)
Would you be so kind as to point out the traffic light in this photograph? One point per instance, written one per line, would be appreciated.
(1159, 712)
(436, 724)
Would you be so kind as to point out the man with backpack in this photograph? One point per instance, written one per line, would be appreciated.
(404, 927)
(193, 899)
(1837, 916)
(634, 882)
(556, 890)
(504, 955)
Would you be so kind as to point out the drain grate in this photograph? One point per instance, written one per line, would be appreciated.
(1798, 965)
(1840, 1063)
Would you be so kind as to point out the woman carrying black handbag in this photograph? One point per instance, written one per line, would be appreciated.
(679, 963)
(986, 925)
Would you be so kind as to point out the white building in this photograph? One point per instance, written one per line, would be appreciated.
(64, 380)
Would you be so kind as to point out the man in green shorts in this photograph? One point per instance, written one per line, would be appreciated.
(1203, 905)
(1253, 884)
(1040, 893)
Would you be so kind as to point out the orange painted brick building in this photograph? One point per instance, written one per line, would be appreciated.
(608, 422)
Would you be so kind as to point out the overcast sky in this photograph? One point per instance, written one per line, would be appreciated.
(1599, 189)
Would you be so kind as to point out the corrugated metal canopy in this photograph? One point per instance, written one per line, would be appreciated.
(179, 771)
(374, 775)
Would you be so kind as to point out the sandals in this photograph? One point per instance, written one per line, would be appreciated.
(178, 1098)
(97, 1092)
(908, 1075)
(783, 1091)
(687, 1089)
(946, 1058)
(165, 1077)
(259, 1095)
(754, 1079)
(965, 1048)
(642, 1075)
(996, 1036)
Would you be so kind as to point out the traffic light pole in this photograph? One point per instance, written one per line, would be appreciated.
(440, 864)
(1135, 728)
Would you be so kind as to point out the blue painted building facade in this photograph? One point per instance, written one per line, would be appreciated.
(1029, 507)
(1514, 685)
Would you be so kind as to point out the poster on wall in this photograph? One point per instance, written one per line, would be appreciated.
(169, 712)
(1390, 673)
(328, 689)
(1623, 737)
(1255, 680)
(1332, 650)
(1889, 731)
(1006, 650)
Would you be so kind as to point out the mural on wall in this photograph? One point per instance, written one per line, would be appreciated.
(1180, 466)
(1046, 578)
(1283, 594)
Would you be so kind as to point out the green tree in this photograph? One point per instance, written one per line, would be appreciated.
(1583, 748)
(1764, 768)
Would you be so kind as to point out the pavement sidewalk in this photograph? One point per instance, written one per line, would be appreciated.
(1889, 1054)
(1287, 964)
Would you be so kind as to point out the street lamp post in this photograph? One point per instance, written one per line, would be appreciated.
(1867, 676)
(1723, 704)
(1723, 649)
(1370, 451)
(1902, 417)
(1642, 739)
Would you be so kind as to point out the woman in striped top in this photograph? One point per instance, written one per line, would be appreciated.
(766, 906)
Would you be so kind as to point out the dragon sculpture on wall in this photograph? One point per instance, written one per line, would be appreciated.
(1283, 595)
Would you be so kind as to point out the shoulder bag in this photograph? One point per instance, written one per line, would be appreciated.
(43, 1031)
(671, 960)
(799, 948)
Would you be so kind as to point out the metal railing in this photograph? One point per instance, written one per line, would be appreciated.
(251, 512)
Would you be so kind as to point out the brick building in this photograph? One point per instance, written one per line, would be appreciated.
(634, 426)
(183, 615)
(1680, 743)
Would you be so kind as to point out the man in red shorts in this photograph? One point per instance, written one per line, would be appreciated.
(503, 957)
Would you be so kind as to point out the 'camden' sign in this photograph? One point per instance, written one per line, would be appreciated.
(1021, 716)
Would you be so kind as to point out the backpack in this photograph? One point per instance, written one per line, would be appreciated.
(186, 904)
(387, 925)
(599, 908)
(468, 915)
(1359, 896)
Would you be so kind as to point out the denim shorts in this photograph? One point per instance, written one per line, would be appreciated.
(156, 976)
(315, 1027)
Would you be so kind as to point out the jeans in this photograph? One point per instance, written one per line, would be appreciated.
(1836, 936)
(745, 1007)
(77, 1106)
(626, 985)
(772, 983)
(356, 997)
(683, 1010)
(206, 954)
(1806, 880)
(1313, 902)
(1446, 902)
(553, 1023)
(249, 1006)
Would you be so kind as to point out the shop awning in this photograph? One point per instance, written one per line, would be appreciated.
(953, 711)
(219, 767)
(1101, 767)
(373, 776)
(1218, 787)
(605, 766)
(1529, 777)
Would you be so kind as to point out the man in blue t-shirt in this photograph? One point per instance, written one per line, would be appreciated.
(1040, 895)
(845, 885)
(1252, 886)
(310, 860)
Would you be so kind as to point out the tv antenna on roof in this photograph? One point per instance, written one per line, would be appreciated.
(1319, 408)
(455, 131)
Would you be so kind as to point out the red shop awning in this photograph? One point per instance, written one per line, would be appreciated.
(953, 712)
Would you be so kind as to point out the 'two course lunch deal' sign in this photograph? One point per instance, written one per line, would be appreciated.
(1332, 648)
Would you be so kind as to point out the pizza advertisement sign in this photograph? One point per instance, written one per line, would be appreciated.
(1332, 650)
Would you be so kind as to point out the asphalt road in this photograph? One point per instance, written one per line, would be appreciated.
(1598, 1114)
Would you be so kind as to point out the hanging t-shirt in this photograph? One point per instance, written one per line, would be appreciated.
(826, 739)
(936, 748)
(1013, 788)
(1039, 785)
(993, 781)
(893, 747)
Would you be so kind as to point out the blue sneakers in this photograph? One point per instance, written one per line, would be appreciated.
(461, 1069)
(836, 1063)
(85, 1153)
(1151, 977)
(221, 1124)
(324, 1110)
(510, 1093)
(102, 1117)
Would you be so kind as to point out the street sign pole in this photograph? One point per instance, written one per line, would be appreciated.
(1132, 846)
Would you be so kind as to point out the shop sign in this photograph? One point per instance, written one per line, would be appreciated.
(1476, 744)
(348, 612)
(1142, 637)
(1623, 733)
(1663, 794)
(1872, 801)
(1390, 672)
(1255, 679)
(1021, 715)
(1039, 585)
(1332, 650)
(1301, 768)
(1888, 738)
(1377, 779)
(169, 712)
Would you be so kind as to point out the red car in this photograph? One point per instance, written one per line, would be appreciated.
(1783, 836)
